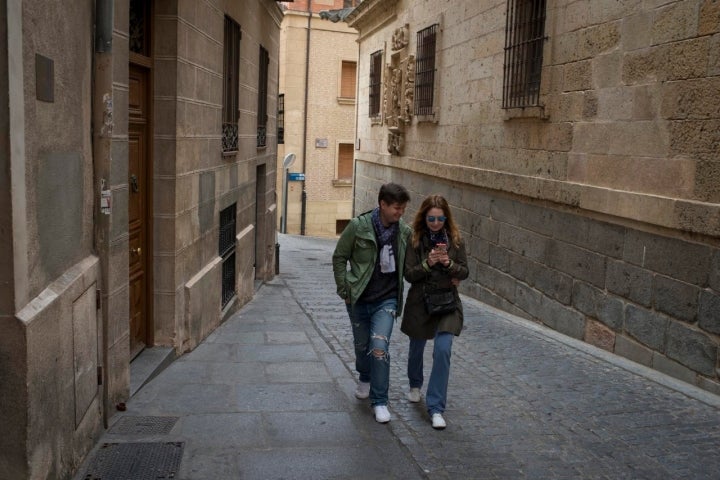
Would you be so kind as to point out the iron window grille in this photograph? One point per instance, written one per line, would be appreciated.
(231, 85)
(226, 250)
(262, 116)
(425, 70)
(281, 119)
(375, 83)
(524, 38)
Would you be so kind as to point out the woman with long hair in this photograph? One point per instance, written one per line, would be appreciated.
(435, 262)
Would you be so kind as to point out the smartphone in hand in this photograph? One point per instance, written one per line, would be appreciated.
(441, 247)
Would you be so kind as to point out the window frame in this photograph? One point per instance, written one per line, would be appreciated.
(426, 68)
(344, 181)
(262, 105)
(281, 119)
(375, 85)
(231, 86)
(524, 42)
(342, 87)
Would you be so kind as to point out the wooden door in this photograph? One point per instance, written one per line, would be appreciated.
(138, 206)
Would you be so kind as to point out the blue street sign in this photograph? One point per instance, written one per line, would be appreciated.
(296, 177)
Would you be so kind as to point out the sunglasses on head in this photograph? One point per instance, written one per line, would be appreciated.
(432, 218)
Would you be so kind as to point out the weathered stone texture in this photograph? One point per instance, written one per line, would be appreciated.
(599, 335)
(687, 59)
(674, 22)
(598, 39)
(630, 282)
(673, 368)
(560, 318)
(647, 327)
(578, 76)
(709, 21)
(634, 351)
(691, 99)
(636, 31)
(692, 348)
(709, 312)
(714, 280)
(689, 262)
(694, 137)
(714, 56)
(677, 299)
(641, 66)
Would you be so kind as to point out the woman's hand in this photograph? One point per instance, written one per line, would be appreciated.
(438, 256)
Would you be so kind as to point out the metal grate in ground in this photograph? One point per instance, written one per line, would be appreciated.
(143, 425)
(136, 461)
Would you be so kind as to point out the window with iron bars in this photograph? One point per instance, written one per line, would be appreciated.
(281, 119)
(262, 116)
(425, 70)
(375, 83)
(231, 85)
(227, 251)
(524, 39)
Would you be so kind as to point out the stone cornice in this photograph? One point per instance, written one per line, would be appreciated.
(370, 14)
(276, 13)
(672, 213)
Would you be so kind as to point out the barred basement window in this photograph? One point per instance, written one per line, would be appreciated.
(425, 70)
(281, 119)
(375, 83)
(524, 38)
(227, 251)
(231, 85)
(262, 116)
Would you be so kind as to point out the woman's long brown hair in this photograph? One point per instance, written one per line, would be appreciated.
(419, 225)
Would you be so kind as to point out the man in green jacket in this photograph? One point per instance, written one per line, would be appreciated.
(374, 244)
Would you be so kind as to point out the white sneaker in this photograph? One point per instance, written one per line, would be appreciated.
(363, 390)
(438, 422)
(414, 395)
(382, 415)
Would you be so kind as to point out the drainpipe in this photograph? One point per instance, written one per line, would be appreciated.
(102, 130)
(303, 203)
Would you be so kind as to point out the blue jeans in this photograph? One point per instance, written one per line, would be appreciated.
(372, 325)
(436, 396)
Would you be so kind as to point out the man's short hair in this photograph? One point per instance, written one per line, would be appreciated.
(393, 193)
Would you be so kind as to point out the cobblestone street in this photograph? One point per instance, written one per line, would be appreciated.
(525, 402)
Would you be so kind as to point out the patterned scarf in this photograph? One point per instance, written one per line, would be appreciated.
(386, 237)
(437, 237)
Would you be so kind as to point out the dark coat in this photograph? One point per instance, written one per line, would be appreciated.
(416, 323)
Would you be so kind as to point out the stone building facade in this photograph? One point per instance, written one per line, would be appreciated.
(132, 148)
(317, 83)
(577, 142)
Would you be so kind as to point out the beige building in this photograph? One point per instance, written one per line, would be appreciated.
(318, 61)
(577, 142)
(137, 185)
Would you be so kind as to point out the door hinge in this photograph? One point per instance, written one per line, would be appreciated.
(100, 374)
(98, 299)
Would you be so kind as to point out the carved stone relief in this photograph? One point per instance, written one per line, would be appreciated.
(400, 37)
(398, 99)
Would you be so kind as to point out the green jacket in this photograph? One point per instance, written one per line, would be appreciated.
(358, 245)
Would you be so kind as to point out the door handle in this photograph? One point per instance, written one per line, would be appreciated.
(137, 251)
(134, 183)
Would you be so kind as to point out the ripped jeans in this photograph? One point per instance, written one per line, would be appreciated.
(372, 324)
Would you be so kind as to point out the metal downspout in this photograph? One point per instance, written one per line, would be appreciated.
(303, 204)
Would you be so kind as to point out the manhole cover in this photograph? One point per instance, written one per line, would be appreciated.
(135, 461)
(143, 425)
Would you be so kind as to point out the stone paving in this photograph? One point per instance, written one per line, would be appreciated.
(525, 402)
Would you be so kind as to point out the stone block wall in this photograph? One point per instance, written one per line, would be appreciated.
(596, 212)
(650, 296)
